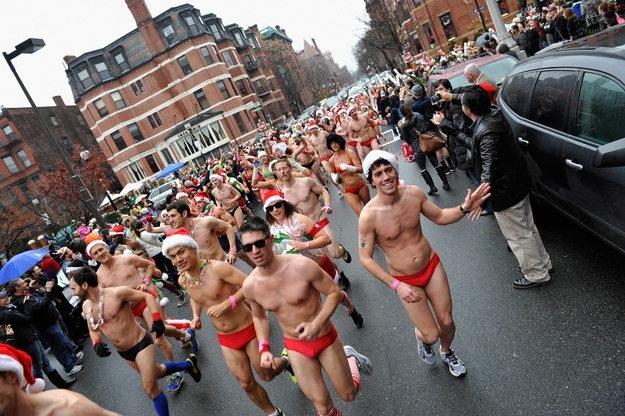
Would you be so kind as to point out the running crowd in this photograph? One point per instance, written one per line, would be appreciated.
(190, 245)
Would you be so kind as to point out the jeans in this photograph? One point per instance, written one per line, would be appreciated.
(58, 343)
(471, 174)
(41, 364)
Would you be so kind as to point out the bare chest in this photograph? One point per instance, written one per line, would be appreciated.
(119, 275)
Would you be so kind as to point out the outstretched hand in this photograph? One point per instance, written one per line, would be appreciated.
(476, 198)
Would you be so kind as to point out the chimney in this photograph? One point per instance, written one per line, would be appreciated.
(146, 25)
(68, 58)
(58, 100)
(315, 44)
(278, 28)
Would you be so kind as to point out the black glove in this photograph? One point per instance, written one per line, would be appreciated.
(158, 327)
(101, 349)
(458, 121)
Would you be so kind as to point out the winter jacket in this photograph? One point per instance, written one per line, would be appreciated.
(38, 309)
(497, 159)
(25, 332)
(408, 132)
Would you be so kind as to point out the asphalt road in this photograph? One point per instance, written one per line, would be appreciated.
(552, 350)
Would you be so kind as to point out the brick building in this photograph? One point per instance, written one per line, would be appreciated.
(325, 76)
(174, 89)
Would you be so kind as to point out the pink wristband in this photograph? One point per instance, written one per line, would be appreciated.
(233, 302)
(394, 285)
(232, 250)
(307, 245)
(263, 345)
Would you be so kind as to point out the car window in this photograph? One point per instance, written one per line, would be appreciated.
(515, 92)
(551, 98)
(600, 110)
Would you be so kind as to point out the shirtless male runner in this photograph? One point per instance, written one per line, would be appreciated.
(392, 220)
(304, 194)
(214, 287)
(290, 286)
(115, 271)
(318, 139)
(362, 130)
(227, 196)
(206, 230)
(15, 371)
(108, 311)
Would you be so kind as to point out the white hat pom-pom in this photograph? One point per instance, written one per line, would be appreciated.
(164, 301)
(37, 387)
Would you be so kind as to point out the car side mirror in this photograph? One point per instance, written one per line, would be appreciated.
(610, 155)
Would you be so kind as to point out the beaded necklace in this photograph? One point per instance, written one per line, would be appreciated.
(95, 325)
(198, 277)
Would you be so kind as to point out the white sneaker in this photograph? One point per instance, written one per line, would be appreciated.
(79, 357)
(74, 370)
(364, 364)
(455, 364)
(425, 351)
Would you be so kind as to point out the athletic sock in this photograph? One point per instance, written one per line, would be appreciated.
(347, 303)
(276, 413)
(160, 404)
(187, 335)
(353, 366)
(333, 412)
(175, 366)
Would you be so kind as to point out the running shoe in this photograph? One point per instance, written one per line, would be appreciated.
(288, 367)
(425, 351)
(194, 371)
(174, 382)
(455, 364)
(192, 341)
(357, 318)
(79, 357)
(279, 411)
(343, 282)
(74, 370)
(182, 299)
(345, 256)
(364, 364)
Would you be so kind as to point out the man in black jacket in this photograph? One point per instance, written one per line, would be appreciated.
(40, 311)
(497, 160)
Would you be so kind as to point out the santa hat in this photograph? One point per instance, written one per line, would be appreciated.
(20, 363)
(312, 125)
(271, 197)
(261, 154)
(93, 244)
(490, 90)
(202, 196)
(117, 230)
(374, 156)
(178, 237)
(218, 177)
(181, 195)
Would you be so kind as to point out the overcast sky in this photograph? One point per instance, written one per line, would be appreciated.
(73, 27)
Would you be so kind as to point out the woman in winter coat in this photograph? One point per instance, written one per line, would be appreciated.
(607, 10)
(572, 24)
(409, 128)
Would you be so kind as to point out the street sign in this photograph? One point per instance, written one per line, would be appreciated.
(478, 9)
(407, 57)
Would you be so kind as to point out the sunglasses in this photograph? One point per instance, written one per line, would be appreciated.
(258, 243)
(277, 205)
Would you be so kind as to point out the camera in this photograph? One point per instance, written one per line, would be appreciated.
(435, 99)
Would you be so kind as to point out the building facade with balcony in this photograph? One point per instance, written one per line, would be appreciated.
(173, 89)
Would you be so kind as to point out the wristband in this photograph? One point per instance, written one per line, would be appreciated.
(233, 302)
(263, 346)
(394, 285)
(464, 211)
(156, 317)
(146, 281)
(232, 250)
(307, 245)
(327, 204)
(96, 342)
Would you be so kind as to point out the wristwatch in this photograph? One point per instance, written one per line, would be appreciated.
(464, 211)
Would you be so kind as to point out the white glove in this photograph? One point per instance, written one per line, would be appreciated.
(347, 168)
(335, 177)
(159, 284)
(165, 276)
(92, 263)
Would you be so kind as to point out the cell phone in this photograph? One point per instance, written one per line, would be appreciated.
(257, 164)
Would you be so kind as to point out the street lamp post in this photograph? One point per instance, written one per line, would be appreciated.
(29, 46)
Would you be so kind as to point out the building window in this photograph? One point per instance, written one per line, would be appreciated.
(201, 99)
(66, 142)
(119, 101)
(121, 61)
(215, 31)
(24, 158)
(239, 39)
(136, 172)
(260, 62)
(260, 88)
(417, 3)
(207, 55)
(503, 7)
(417, 41)
(448, 26)
(118, 140)
(155, 120)
(240, 123)
(252, 41)
(167, 156)
(272, 111)
(184, 65)
(228, 58)
(269, 85)
(101, 107)
(135, 132)
(103, 71)
(224, 90)
(140, 85)
(54, 121)
(85, 79)
(429, 35)
(10, 163)
(152, 163)
(81, 119)
(168, 32)
(241, 87)
(191, 24)
(248, 60)
(217, 53)
(9, 133)
(137, 87)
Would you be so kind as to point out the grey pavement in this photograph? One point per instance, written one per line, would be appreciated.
(552, 350)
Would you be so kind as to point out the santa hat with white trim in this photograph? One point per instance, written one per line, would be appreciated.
(271, 197)
(117, 230)
(202, 196)
(20, 363)
(178, 237)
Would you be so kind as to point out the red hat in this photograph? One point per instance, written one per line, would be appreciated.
(202, 196)
(490, 90)
(271, 197)
(176, 238)
(117, 230)
(20, 363)
(312, 125)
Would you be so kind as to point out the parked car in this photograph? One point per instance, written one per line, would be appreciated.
(65, 235)
(496, 66)
(566, 107)
(160, 194)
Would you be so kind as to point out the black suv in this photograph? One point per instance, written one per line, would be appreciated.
(567, 109)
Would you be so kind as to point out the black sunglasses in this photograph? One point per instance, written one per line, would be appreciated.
(277, 205)
(258, 243)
